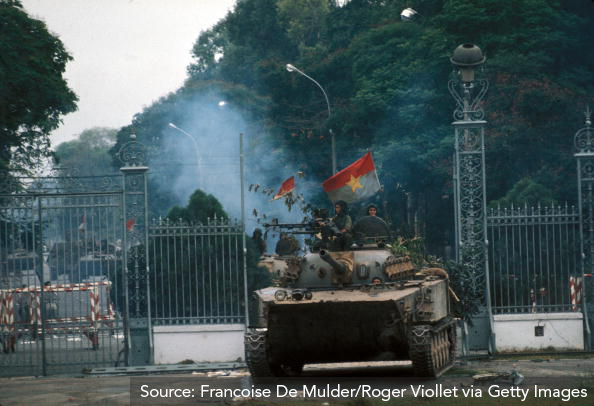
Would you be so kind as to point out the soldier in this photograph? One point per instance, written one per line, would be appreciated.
(370, 225)
(372, 210)
(344, 224)
(258, 241)
(287, 245)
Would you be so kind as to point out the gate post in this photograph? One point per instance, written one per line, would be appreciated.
(136, 272)
(584, 144)
(470, 190)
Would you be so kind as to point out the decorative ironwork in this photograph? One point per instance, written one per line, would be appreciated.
(133, 153)
(584, 144)
(133, 156)
(469, 138)
(468, 96)
(470, 202)
(584, 139)
(56, 182)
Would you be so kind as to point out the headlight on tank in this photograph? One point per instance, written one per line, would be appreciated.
(308, 295)
(297, 294)
(280, 295)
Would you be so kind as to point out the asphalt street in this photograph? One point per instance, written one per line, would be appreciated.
(115, 390)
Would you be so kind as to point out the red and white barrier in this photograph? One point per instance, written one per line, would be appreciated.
(87, 324)
(575, 289)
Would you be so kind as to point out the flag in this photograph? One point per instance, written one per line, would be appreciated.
(83, 224)
(357, 181)
(130, 224)
(286, 188)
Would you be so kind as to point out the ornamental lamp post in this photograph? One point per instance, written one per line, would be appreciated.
(470, 211)
(466, 58)
(291, 68)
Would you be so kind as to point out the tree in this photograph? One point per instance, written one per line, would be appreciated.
(387, 84)
(88, 155)
(201, 207)
(33, 92)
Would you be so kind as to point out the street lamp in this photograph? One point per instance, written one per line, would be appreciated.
(408, 14)
(198, 160)
(472, 244)
(292, 68)
(466, 59)
(222, 104)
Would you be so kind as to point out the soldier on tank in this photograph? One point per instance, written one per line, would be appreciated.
(259, 241)
(343, 226)
(370, 225)
(287, 245)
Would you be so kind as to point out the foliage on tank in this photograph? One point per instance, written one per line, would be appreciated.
(467, 300)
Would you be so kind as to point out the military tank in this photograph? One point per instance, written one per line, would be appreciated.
(364, 304)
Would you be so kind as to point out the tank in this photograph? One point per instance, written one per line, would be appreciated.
(364, 304)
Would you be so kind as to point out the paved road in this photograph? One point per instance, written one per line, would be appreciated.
(115, 390)
(65, 353)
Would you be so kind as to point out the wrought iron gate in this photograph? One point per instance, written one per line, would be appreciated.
(584, 144)
(60, 278)
(534, 254)
(521, 260)
(73, 276)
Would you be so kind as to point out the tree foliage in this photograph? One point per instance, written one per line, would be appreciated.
(200, 208)
(387, 83)
(33, 92)
(88, 155)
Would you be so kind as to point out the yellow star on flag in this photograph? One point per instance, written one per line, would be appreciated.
(354, 183)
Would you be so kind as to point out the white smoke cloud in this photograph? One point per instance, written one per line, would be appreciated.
(211, 160)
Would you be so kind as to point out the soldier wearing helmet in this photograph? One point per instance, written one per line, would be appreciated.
(343, 224)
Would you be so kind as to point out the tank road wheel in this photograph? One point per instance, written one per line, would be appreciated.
(432, 348)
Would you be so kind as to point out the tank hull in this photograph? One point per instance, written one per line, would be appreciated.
(336, 332)
(408, 320)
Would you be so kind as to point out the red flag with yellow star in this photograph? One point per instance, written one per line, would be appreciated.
(357, 181)
(287, 187)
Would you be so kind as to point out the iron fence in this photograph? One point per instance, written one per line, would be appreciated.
(196, 272)
(533, 253)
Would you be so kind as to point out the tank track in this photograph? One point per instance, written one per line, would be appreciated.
(432, 348)
(256, 356)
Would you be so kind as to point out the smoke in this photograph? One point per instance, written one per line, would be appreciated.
(203, 152)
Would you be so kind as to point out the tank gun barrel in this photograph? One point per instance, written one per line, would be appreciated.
(287, 225)
(311, 227)
(339, 268)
